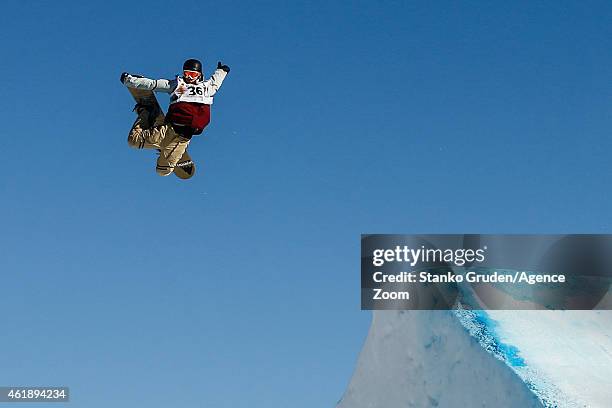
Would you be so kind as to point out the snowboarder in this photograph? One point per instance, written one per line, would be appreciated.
(188, 113)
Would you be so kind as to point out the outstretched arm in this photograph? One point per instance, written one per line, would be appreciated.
(139, 82)
(214, 82)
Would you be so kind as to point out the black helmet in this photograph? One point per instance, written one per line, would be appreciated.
(192, 65)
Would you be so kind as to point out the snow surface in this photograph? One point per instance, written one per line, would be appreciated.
(465, 358)
(567, 355)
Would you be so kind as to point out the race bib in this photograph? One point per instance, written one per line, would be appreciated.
(185, 92)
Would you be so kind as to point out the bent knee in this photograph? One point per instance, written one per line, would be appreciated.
(134, 143)
(135, 140)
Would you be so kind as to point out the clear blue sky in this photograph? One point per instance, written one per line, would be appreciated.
(240, 288)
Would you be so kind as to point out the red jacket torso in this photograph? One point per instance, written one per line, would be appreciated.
(193, 115)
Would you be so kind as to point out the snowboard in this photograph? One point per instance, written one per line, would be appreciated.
(185, 168)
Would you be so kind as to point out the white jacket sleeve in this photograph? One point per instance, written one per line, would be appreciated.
(156, 85)
(213, 83)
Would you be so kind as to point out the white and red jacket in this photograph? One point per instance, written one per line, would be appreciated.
(189, 103)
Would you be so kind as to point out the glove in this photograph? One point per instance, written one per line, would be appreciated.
(123, 77)
(223, 67)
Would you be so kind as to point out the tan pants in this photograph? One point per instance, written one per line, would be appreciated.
(160, 136)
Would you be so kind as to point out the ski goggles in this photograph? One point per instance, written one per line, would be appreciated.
(191, 74)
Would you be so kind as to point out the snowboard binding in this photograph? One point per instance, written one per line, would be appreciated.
(149, 113)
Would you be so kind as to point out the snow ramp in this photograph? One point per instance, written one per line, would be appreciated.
(465, 358)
